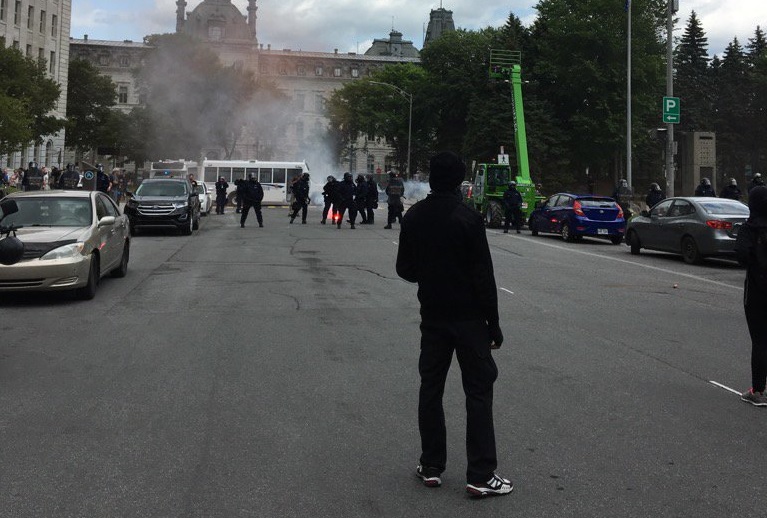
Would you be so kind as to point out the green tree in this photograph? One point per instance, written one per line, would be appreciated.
(27, 99)
(731, 80)
(693, 82)
(90, 99)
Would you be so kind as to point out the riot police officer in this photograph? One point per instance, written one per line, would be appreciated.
(221, 187)
(329, 196)
(372, 199)
(654, 196)
(301, 192)
(361, 198)
(512, 202)
(345, 192)
(33, 178)
(395, 191)
(705, 189)
(731, 191)
(69, 178)
(252, 194)
(103, 182)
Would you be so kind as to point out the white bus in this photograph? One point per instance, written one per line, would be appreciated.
(173, 168)
(275, 177)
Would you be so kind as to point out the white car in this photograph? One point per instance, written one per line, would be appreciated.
(206, 198)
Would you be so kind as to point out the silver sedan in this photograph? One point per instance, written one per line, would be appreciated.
(693, 227)
(71, 240)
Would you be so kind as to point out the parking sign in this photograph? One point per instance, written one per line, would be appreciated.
(671, 110)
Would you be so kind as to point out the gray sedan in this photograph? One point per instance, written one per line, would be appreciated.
(693, 227)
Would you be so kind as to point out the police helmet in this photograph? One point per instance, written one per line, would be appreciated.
(733, 181)
(655, 186)
(100, 167)
(512, 183)
(705, 181)
(392, 174)
(305, 176)
(347, 176)
(331, 178)
(11, 250)
(252, 176)
(70, 167)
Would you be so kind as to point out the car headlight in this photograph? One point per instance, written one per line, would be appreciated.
(181, 205)
(64, 252)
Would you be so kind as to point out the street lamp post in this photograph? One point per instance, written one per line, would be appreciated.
(409, 97)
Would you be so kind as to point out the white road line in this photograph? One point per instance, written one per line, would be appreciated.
(656, 268)
(396, 243)
(507, 291)
(725, 387)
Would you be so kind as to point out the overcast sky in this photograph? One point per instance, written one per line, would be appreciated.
(351, 25)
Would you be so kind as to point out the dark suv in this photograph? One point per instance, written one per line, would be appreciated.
(164, 202)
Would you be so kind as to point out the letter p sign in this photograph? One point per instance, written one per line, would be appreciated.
(671, 110)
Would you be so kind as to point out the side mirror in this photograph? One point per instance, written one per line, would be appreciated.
(106, 221)
(645, 213)
(8, 206)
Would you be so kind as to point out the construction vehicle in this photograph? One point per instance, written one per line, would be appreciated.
(491, 180)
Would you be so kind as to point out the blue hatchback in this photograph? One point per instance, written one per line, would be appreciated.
(576, 215)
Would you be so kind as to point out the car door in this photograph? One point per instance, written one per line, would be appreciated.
(651, 234)
(111, 236)
(545, 215)
(678, 222)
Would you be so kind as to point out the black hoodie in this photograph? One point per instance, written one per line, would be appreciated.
(746, 246)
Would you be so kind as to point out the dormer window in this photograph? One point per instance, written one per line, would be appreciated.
(215, 33)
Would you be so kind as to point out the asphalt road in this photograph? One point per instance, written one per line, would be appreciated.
(273, 372)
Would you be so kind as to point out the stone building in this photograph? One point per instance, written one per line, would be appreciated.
(40, 29)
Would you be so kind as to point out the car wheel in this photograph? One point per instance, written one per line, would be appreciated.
(690, 252)
(88, 291)
(122, 269)
(493, 215)
(616, 240)
(532, 227)
(187, 230)
(633, 240)
(566, 232)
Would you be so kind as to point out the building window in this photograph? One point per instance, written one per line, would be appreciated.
(371, 164)
(52, 64)
(124, 61)
(54, 25)
(215, 33)
(300, 100)
(337, 72)
(104, 60)
(42, 22)
(17, 13)
(16, 44)
(263, 69)
(48, 153)
(319, 103)
(122, 94)
(30, 17)
(355, 72)
(283, 69)
(40, 54)
(2, 10)
(300, 130)
(29, 51)
(301, 70)
(318, 70)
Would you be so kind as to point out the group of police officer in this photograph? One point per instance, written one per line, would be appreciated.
(340, 197)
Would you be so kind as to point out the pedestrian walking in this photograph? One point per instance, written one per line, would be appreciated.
(252, 194)
(329, 192)
(345, 195)
(751, 248)
(443, 247)
(301, 198)
(395, 192)
(731, 191)
(654, 195)
(512, 202)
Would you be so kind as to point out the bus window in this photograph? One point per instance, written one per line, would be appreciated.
(238, 172)
(226, 172)
(211, 174)
(292, 173)
(279, 175)
(265, 175)
(193, 170)
(251, 170)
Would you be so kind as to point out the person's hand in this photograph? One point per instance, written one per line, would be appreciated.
(496, 336)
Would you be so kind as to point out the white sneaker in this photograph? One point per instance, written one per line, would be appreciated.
(493, 487)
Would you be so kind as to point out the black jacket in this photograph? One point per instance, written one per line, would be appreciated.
(705, 190)
(221, 187)
(731, 192)
(512, 199)
(653, 197)
(301, 190)
(443, 247)
(329, 191)
(745, 248)
(345, 191)
(360, 194)
(252, 192)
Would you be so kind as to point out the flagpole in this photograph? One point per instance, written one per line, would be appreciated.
(628, 97)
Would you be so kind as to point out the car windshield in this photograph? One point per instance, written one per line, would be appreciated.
(161, 188)
(721, 207)
(51, 212)
(597, 202)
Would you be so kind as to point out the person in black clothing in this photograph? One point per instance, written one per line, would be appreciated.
(252, 193)
(372, 199)
(512, 202)
(239, 185)
(69, 178)
(751, 249)
(623, 194)
(345, 196)
(395, 191)
(301, 201)
(756, 182)
(731, 191)
(443, 247)
(221, 187)
(654, 196)
(329, 197)
(360, 198)
(705, 189)
(103, 182)
(33, 178)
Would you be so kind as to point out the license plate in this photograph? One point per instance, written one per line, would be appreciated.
(602, 231)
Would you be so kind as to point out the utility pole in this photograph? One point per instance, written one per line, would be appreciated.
(673, 7)
(628, 98)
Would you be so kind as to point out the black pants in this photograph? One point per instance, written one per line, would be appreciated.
(246, 208)
(303, 206)
(471, 343)
(756, 318)
(394, 212)
(326, 209)
(352, 213)
(363, 214)
(220, 203)
(515, 214)
(370, 214)
(239, 203)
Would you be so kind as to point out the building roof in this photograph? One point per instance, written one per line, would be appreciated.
(109, 43)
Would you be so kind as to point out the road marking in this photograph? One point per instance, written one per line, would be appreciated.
(656, 268)
(395, 242)
(725, 387)
(507, 291)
